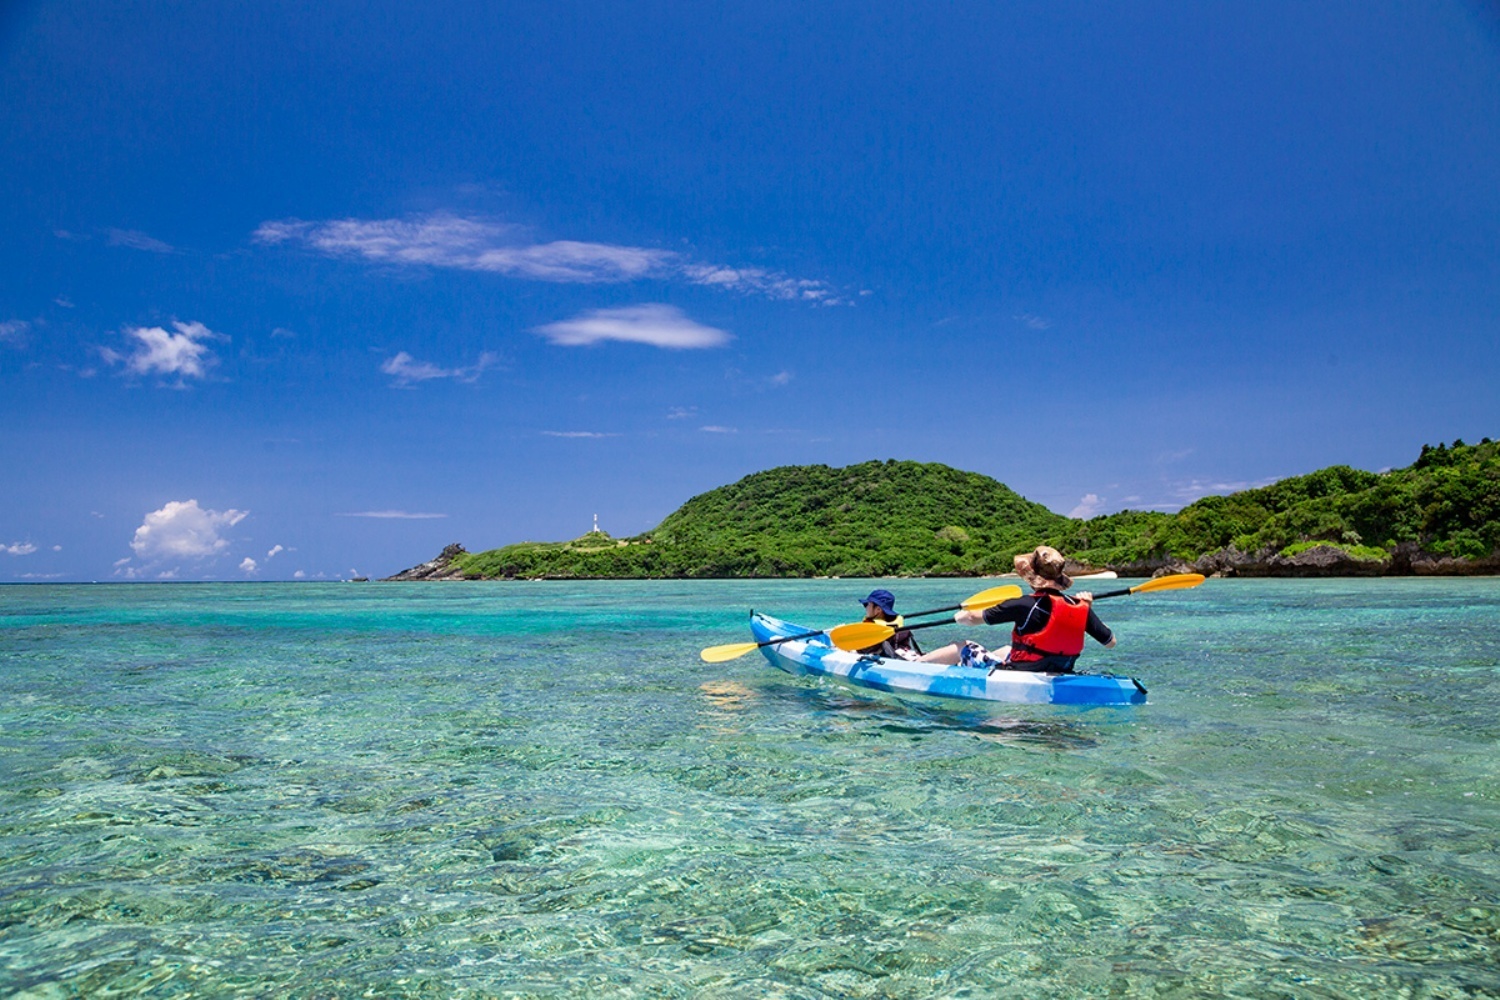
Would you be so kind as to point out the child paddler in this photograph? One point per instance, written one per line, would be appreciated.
(880, 606)
(1047, 625)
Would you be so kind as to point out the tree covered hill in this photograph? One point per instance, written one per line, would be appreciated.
(1441, 514)
(873, 519)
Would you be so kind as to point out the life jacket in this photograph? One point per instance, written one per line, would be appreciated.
(1057, 644)
(896, 647)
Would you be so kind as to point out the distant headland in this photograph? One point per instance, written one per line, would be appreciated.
(1438, 516)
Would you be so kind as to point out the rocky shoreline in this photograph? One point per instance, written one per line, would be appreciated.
(1320, 561)
(441, 568)
(1407, 559)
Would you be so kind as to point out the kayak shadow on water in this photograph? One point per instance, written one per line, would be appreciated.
(900, 717)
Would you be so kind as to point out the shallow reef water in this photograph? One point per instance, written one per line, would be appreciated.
(538, 789)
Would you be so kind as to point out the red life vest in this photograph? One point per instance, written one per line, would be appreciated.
(1061, 638)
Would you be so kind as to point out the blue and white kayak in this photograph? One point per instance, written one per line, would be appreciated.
(817, 655)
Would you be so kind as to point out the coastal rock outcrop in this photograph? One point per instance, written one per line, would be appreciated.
(1406, 559)
(441, 568)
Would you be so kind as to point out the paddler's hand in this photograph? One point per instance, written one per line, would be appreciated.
(1087, 596)
(967, 617)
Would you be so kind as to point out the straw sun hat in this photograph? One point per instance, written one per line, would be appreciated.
(1043, 568)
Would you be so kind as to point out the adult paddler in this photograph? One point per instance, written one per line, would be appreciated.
(1047, 625)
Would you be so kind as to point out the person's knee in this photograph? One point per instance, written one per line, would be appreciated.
(947, 654)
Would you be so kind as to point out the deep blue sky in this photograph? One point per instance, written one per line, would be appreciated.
(278, 280)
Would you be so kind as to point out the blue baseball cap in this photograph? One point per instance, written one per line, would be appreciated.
(882, 599)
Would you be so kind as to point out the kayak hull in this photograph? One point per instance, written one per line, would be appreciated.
(818, 656)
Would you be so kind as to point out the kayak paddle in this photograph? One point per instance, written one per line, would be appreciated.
(1177, 581)
(839, 634)
(857, 635)
(980, 601)
(884, 630)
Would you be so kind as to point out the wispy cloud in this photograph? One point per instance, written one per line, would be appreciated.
(392, 515)
(13, 331)
(772, 284)
(160, 352)
(580, 434)
(18, 549)
(682, 412)
(407, 370)
(717, 429)
(1195, 489)
(1178, 494)
(468, 244)
(136, 240)
(1033, 322)
(445, 240)
(653, 323)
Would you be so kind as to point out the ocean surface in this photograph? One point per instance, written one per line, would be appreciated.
(538, 790)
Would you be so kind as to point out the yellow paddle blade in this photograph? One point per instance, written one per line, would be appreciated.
(718, 654)
(858, 635)
(990, 598)
(1179, 581)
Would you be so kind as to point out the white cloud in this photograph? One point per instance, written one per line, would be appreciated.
(756, 280)
(445, 240)
(682, 412)
(64, 301)
(248, 565)
(571, 261)
(781, 378)
(580, 434)
(18, 549)
(184, 353)
(407, 370)
(1090, 505)
(137, 241)
(13, 330)
(398, 515)
(1196, 489)
(299, 575)
(183, 530)
(1033, 322)
(717, 429)
(274, 550)
(653, 323)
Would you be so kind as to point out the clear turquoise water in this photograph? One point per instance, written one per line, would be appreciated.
(539, 790)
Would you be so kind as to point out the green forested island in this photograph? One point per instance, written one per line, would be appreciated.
(1441, 514)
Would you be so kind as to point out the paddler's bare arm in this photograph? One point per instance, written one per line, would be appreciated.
(1087, 597)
